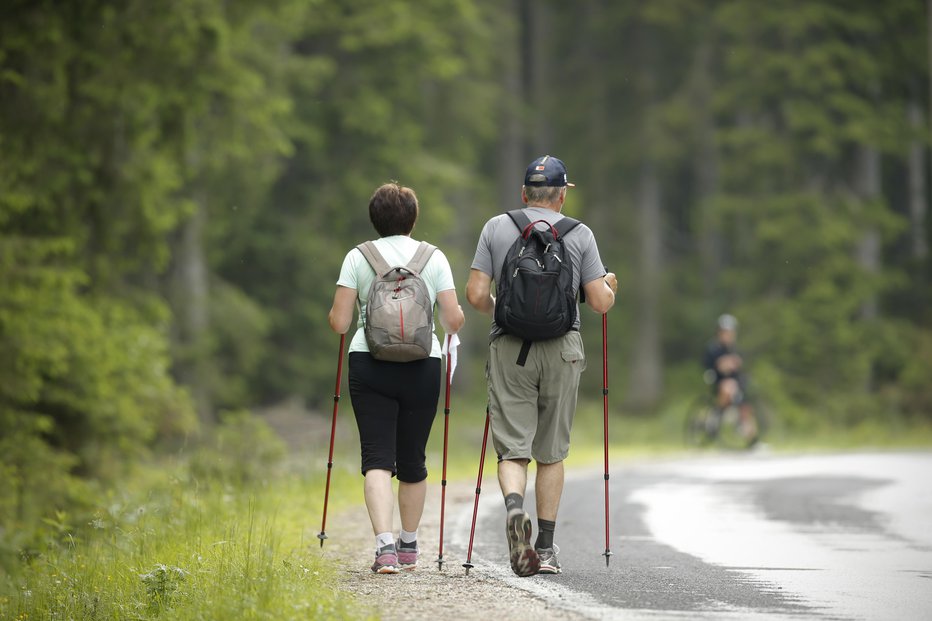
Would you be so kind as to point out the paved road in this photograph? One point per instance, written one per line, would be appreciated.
(746, 536)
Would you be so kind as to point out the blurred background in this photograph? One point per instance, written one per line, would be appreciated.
(180, 181)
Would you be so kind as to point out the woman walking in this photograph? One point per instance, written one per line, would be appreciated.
(394, 402)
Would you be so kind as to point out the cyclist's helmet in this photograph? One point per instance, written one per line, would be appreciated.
(727, 322)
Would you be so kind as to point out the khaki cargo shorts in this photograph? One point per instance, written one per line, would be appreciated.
(531, 408)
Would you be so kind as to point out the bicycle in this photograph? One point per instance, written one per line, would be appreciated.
(708, 424)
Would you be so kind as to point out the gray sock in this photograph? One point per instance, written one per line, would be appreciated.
(389, 549)
(514, 501)
(407, 540)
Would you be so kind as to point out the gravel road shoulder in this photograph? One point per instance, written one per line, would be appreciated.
(428, 593)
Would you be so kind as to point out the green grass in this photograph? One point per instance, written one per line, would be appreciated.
(184, 551)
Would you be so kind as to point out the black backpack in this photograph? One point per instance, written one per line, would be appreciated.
(535, 298)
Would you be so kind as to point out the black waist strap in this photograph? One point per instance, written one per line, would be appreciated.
(522, 355)
(526, 348)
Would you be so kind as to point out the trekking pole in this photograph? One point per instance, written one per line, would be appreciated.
(333, 428)
(475, 509)
(446, 433)
(608, 553)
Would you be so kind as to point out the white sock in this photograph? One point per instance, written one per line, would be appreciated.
(407, 537)
(384, 539)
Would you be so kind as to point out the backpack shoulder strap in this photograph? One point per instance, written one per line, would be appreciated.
(565, 225)
(374, 257)
(421, 256)
(520, 219)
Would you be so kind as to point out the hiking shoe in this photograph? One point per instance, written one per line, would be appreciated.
(386, 561)
(407, 556)
(548, 560)
(524, 559)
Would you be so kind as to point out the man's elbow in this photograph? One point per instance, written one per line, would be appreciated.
(601, 304)
(473, 296)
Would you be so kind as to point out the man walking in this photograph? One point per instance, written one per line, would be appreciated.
(533, 383)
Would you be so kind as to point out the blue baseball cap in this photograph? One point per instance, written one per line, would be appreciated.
(547, 171)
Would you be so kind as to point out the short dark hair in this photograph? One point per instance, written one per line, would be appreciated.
(393, 210)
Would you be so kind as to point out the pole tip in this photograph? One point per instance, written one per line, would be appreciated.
(322, 535)
(468, 566)
(608, 555)
(440, 563)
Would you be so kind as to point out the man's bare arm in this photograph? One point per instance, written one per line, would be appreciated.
(600, 293)
(479, 292)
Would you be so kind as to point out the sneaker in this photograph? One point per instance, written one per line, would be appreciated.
(407, 556)
(524, 559)
(548, 560)
(386, 561)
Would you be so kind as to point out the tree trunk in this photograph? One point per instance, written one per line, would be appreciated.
(917, 185)
(189, 298)
(538, 84)
(510, 145)
(868, 188)
(603, 158)
(705, 169)
(647, 368)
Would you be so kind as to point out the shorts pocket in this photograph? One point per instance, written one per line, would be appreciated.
(574, 357)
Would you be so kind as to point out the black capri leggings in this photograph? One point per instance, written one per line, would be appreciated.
(395, 404)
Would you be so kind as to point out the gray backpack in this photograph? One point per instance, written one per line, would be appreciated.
(399, 316)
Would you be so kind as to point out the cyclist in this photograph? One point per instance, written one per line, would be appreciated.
(723, 371)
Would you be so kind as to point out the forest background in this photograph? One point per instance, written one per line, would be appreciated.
(180, 181)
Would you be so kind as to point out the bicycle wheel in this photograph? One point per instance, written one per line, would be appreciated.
(732, 433)
(701, 422)
(742, 434)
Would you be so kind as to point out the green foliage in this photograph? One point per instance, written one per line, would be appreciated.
(38, 494)
(161, 584)
(84, 386)
(242, 450)
(239, 326)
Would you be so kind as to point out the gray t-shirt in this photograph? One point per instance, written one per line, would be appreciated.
(500, 233)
